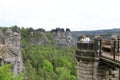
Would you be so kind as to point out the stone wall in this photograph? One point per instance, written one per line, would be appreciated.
(90, 67)
(94, 70)
(106, 72)
(85, 70)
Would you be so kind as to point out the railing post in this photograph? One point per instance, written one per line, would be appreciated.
(119, 73)
(118, 46)
(100, 47)
(114, 50)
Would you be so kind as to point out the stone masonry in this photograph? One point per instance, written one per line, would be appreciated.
(90, 67)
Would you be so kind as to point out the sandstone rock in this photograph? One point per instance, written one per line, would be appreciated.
(40, 39)
(62, 38)
(2, 37)
(10, 50)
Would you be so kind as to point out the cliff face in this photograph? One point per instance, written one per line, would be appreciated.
(10, 50)
(62, 37)
(58, 36)
(38, 37)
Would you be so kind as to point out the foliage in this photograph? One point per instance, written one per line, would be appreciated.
(47, 62)
(47, 66)
(6, 73)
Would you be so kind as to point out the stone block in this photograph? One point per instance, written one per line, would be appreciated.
(114, 72)
(114, 79)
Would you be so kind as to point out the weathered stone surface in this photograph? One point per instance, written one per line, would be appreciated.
(94, 69)
(39, 37)
(10, 51)
(63, 38)
(1, 37)
(85, 70)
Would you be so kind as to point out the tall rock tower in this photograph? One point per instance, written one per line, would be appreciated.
(63, 38)
(10, 50)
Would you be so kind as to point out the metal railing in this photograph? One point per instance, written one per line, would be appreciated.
(97, 46)
(114, 53)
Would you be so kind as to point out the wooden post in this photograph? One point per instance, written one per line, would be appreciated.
(119, 73)
(100, 46)
(118, 46)
(114, 50)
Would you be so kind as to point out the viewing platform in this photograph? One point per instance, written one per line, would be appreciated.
(98, 59)
(85, 50)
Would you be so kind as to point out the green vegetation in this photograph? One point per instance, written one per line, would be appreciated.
(49, 63)
(43, 61)
(6, 73)
(46, 61)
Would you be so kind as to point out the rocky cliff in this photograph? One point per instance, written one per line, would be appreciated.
(10, 52)
(38, 36)
(62, 37)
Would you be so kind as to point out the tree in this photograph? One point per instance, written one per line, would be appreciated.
(42, 61)
(47, 66)
(6, 73)
(65, 74)
(30, 71)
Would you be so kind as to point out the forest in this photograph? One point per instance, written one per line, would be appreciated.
(43, 61)
(46, 61)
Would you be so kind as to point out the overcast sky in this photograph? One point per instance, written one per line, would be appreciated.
(48, 14)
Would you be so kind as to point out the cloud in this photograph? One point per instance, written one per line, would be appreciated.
(75, 14)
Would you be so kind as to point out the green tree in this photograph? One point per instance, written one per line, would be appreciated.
(64, 62)
(65, 74)
(47, 66)
(6, 73)
(30, 71)
(42, 62)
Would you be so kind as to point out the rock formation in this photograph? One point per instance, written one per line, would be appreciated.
(10, 50)
(38, 36)
(62, 38)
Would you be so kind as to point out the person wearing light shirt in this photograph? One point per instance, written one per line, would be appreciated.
(86, 39)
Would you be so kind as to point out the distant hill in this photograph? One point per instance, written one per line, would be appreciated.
(106, 32)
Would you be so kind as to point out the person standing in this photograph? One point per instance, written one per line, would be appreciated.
(86, 39)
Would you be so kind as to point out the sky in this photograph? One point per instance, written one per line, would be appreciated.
(49, 14)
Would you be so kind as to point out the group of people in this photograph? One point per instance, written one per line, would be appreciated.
(96, 44)
(85, 39)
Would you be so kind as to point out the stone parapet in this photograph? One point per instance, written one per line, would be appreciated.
(89, 65)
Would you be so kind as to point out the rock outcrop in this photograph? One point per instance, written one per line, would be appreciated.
(10, 50)
(62, 38)
(38, 36)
